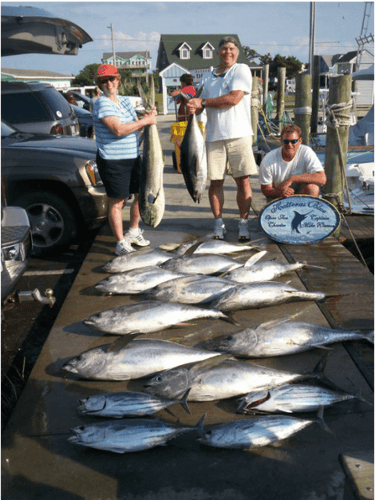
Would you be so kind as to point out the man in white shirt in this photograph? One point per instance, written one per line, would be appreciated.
(291, 169)
(226, 96)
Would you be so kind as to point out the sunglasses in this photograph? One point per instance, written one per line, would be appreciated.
(109, 79)
(293, 141)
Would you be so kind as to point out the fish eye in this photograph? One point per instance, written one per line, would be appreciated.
(158, 378)
(208, 433)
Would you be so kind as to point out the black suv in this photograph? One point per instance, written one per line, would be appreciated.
(56, 180)
(38, 108)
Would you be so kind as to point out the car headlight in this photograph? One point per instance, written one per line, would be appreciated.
(93, 173)
(13, 253)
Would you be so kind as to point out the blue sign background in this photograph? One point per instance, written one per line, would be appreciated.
(299, 219)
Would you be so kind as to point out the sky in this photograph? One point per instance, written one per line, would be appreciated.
(267, 27)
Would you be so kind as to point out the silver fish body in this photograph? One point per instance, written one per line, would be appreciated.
(291, 398)
(151, 190)
(216, 381)
(123, 436)
(147, 316)
(202, 264)
(252, 432)
(191, 289)
(193, 162)
(282, 339)
(136, 260)
(136, 281)
(123, 360)
(262, 294)
(123, 404)
(220, 247)
(263, 271)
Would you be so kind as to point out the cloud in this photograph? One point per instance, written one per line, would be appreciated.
(126, 43)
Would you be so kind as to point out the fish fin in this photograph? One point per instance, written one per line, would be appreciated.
(272, 323)
(121, 342)
(199, 91)
(369, 336)
(209, 362)
(192, 249)
(254, 258)
(311, 266)
(183, 401)
(318, 346)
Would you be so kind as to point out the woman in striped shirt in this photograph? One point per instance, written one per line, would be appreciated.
(116, 128)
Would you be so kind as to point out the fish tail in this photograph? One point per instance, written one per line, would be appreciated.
(321, 422)
(183, 402)
(229, 319)
(200, 425)
(369, 336)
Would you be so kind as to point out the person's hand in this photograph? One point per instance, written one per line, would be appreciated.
(284, 188)
(150, 117)
(193, 105)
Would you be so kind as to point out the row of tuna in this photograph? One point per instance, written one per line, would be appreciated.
(178, 374)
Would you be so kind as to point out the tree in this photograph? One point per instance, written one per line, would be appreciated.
(266, 59)
(87, 76)
(250, 54)
(293, 65)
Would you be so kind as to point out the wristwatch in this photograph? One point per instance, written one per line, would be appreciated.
(203, 103)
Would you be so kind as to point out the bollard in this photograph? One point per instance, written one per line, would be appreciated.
(302, 111)
(281, 72)
(255, 106)
(338, 121)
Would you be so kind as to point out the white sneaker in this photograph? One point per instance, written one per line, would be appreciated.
(123, 248)
(243, 230)
(136, 239)
(219, 229)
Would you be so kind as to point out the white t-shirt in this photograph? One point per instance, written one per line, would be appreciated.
(274, 169)
(233, 122)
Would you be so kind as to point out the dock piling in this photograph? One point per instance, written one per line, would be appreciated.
(302, 111)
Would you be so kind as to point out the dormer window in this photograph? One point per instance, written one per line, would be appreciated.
(184, 51)
(207, 51)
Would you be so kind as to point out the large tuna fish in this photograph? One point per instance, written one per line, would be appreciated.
(136, 260)
(214, 379)
(291, 398)
(151, 190)
(191, 289)
(202, 264)
(136, 281)
(193, 162)
(126, 435)
(266, 271)
(280, 338)
(126, 404)
(253, 432)
(262, 294)
(148, 316)
(126, 360)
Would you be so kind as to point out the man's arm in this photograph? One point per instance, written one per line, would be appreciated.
(222, 102)
(318, 178)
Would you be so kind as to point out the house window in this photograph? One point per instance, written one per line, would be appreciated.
(207, 54)
(185, 54)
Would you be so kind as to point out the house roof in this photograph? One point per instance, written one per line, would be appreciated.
(34, 73)
(171, 44)
(348, 57)
(128, 55)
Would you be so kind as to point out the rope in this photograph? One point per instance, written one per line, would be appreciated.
(306, 110)
(337, 118)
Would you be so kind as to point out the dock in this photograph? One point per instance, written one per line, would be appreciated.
(39, 462)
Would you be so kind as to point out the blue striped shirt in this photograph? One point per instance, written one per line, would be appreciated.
(109, 145)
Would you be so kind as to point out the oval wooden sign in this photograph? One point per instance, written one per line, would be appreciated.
(299, 219)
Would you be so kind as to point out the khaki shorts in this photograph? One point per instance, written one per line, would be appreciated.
(238, 153)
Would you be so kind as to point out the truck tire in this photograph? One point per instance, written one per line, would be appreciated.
(53, 223)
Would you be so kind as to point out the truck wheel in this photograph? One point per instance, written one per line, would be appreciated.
(53, 223)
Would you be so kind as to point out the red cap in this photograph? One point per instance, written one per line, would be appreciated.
(107, 70)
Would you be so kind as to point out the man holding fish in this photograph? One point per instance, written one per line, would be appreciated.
(118, 160)
(226, 96)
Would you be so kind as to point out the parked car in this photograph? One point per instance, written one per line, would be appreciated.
(85, 121)
(56, 180)
(83, 101)
(37, 107)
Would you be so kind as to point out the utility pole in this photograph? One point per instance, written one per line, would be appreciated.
(113, 45)
(312, 36)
